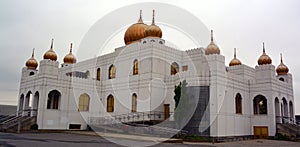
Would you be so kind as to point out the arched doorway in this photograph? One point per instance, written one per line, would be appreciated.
(53, 99)
(35, 104)
(27, 103)
(21, 102)
(277, 110)
(291, 111)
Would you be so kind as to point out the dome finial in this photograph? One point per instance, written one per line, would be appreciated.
(234, 53)
(50, 54)
(235, 61)
(51, 47)
(140, 19)
(33, 53)
(71, 47)
(211, 35)
(31, 63)
(70, 58)
(264, 58)
(153, 22)
(264, 51)
(282, 69)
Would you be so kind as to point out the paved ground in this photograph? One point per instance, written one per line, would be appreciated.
(77, 140)
(70, 140)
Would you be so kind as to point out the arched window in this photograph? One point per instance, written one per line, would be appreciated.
(98, 74)
(174, 68)
(112, 72)
(134, 103)
(110, 103)
(31, 73)
(281, 79)
(135, 67)
(53, 99)
(84, 102)
(260, 105)
(238, 103)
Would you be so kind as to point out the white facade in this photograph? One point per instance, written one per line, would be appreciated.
(154, 87)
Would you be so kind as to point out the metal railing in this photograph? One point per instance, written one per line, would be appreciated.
(128, 117)
(285, 120)
(15, 118)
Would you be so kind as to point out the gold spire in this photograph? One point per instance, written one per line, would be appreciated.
(234, 53)
(136, 31)
(282, 69)
(51, 47)
(264, 58)
(50, 54)
(153, 17)
(153, 30)
(211, 35)
(70, 58)
(31, 63)
(212, 48)
(235, 61)
(140, 19)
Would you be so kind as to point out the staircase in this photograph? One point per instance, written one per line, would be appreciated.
(137, 123)
(20, 120)
(289, 128)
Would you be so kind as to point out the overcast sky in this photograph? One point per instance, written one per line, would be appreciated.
(245, 25)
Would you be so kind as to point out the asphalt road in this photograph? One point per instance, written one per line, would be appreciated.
(69, 140)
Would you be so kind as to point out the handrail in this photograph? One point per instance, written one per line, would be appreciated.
(17, 114)
(129, 117)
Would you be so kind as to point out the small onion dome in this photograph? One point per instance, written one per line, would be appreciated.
(70, 58)
(136, 31)
(281, 68)
(153, 30)
(50, 54)
(212, 48)
(264, 58)
(31, 63)
(235, 61)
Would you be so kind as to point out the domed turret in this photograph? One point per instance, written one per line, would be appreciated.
(212, 48)
(235, 61)
(153, 30)
(31, 63)
(282, 69)
(50, 54)
(70, 58)
(264, 58)
(136, 31)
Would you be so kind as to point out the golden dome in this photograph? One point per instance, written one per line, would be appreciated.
(212, 48)
(31, 63)
(235, 61)
(70, 58)
(136, 31)
(281, 68)
(153, 30)
(50, 54)
(264, 58)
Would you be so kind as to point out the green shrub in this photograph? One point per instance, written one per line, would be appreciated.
(34, 127)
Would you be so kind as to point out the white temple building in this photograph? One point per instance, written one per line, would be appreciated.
(232, 99)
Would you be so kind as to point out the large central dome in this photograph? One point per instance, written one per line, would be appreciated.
(136, 31)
